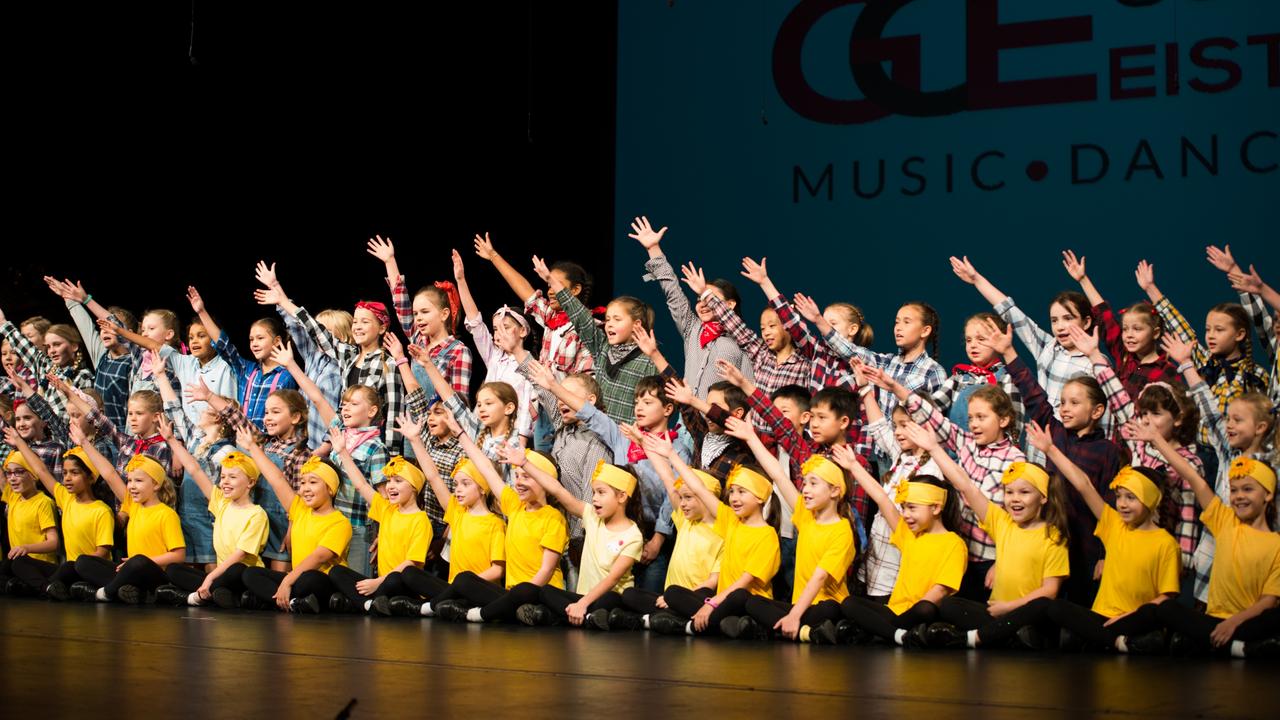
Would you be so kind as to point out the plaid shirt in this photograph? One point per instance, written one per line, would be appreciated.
(1228, 379)
(56, 441)
(444, 453)
(561, 348)
(735, 451)
(952, 397)
(924, 373)
(617, 368)
(39, 364)
(1094, 453)
(488, 442)
(769, 373)
(881, 560)
(127, 446)
(291, 453)
(829, 369)
(323, 371)
(254, 385)
(576, 451)
(984, 464)
(452, 358)
(502, 366)
(699, 361)
(111, 372)
(1120, 403)
(1134, 375)
(370, 457)
(373, 369)
(1263, 323)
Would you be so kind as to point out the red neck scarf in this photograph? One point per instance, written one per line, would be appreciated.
(635, 453)
(979, 370)
(710, 331)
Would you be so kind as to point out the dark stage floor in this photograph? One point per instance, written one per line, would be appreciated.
(111, 661)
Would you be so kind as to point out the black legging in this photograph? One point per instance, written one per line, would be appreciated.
(474, 591)
(768, 612)
(973, 586)
(1091, 626)
(554, 598)
(189, 579)
(345, 579)
(419, 582)
(643, 602)
(992, 631)
(264, 583)
(139, 571)
(882, 622)
(686, 603)
(37, 574)
(1197, 626)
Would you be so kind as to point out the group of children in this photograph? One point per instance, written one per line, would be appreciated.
(785, 484)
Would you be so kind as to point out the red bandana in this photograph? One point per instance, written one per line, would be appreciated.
(710, 331)
(557, 321)
(378, 309)
(635, 453)
(983, 371)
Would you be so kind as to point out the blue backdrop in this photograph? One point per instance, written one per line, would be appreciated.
(857, 145)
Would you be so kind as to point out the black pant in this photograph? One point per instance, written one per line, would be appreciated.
(345, 579)
(973, 586)
(1197, 626)
(644, 602)
(992, 631)
(474, 591)
(419, 582)
(768, 612)
(1091, 626)
(37, 574)
(1080, 587)
(686, 603)
(882, 622)
(264, 583)
(554, 598)
(189, 579)
(139, 571)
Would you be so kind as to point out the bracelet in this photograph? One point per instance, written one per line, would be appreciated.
(864, 391)
(712, 603)
(401, 361)
(1185, 366)
(87, 299)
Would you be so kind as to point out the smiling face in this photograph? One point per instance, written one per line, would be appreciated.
(703, 310)
(1023, 501)
(901, 420)
(1077, 409)
(920, 518)
(142, 489)
(618, 323)
(528, 489)
(466, 491)
(818, 495)
(743, 503)
(1139, 335)
(366, 329)
(29, 426)
(278, 420)
(32, 333)
(1249, 499)
(1244, 426)
(984, 423)
(974, 334)
(492, 412)
(428, 319)
(825, 425)
(153, 327)
(1061, 317)
(400, 491)
(1131, 510)
(437, 424)
(563, 279)
(201, 345)
(909, 330)
(1221, 335)
(690, 505)
(8, 358)
(774, 335)
(357, 408)
(261, 340)
(651, 413)
(790, 409)
(59, 350)
(314, 492)
(19, 479)
(234, 483)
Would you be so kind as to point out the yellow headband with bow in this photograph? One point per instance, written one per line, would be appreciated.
(826, 471)
(1243, 467)
(1138, 484)
(148, 465)
(316, 466)
(751, 481)
(79, 453)
(615, 477)
(239, 460)
(709, 481)
(541, 462)
(1030, 472)
(16, 458)
(405, 470)
(920, 493)
(468, 468)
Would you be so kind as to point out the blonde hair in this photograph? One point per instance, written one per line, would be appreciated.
(337, 322)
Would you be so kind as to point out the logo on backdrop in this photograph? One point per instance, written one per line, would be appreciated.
(1210, 65)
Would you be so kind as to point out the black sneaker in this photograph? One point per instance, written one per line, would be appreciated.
(916, 637)
(942, 635)
(131, 595)
(340, 603)
(1152, 643)
(380, 605)
(224, 599)
(249, 601)
(15, 587)
(534, 614)
(847, 633)
(1264, 649)
(823, 634)
(57, 591)
(620, 619)
(597, 620)
(1180, 644)
(1029, 637)
(309, 605)
(1069, 641)
(665, 623)
(167, 595)
(83, 591)
(742, 627)
(401, 606)
(450, 610)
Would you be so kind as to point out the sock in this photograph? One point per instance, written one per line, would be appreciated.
(898, 635)
(1121, 645)
(688, 628)
(427, 611)
(972, 640)
(193, 599)
(101, 595)
(1237, 648)
(804, 634)
(645, 619)
(473, 615)
(368, 604)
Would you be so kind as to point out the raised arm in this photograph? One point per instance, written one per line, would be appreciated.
(104, 466)
(515, 456)
(282, 355)
(659, 268)
(198, 307)
(965, 270)
(1251, 282)
(43, 474)
(246, 441)
(184, 456)
(951, 470)
(517, 282)
(412, 429)
(742, 429)
(592, 337)
(1075, 268)
(543, 377)
(847, 458)
(1185, 470)
(1040, 439)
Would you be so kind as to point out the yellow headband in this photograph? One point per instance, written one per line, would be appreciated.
(148, 465)
(405, 470)
(751, 481)
(1243, 467)
(315, 466)
(826, 471)
(709, 481)
(615, 477)
(1138, 484)
(1030, 472)
(242, 461)
(541, 462)
(78, 452)
(468, 468)
(16, 457)
(920, 493)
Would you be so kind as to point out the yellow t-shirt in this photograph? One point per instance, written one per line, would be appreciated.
(697, 554)
(401, 536)
(1141, 565)
(1246, 562)
(85, 526)
(1024, 557)
(308, 531)
(237, 528)
(28, 518)
(928, 559)
(475, 541)
(830, 547)
(747, 550)
(153, 530)
(529, 533)
(601, 547)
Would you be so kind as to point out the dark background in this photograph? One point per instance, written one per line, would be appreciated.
(301, 130)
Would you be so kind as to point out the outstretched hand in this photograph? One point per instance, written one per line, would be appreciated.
(484, 247)
(965, 269)
(694, 278)
(1221, 258)
(754, 271)
(1039, 436)
(381, 248)
(1175, 348)
(643, 232)
(1073, 266)
(807, 308)
(1145, 275)
(193, 297)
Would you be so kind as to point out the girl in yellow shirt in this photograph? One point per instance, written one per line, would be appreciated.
(934, 558)
(1030, 535)
(88, 525)
(1143, 560)
(29, 519)
(154, 538)
(240, 529)
(319, 535)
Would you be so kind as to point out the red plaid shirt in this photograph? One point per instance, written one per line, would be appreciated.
(562, 347)
(452, 357)
(1134, 375)
(769, 373)
(829, 369)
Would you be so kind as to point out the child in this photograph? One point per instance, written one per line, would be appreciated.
(154, 531)
(239, 533)
(29, 519)
(793, 402)
(652, 408)
(34, 431)
(619, 363)
(703, 335)
(1141, 571)
(1030, 534)
(404, 533)
(55, 428)
(64, 359)
(985, 368)
(933, 560)
(110, 356)
(88, 526)
(318, 534)
(158, 325)
(1134, 342)
(1253, 294)
(502, 350)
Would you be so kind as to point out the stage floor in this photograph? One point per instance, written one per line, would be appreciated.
(82, 661)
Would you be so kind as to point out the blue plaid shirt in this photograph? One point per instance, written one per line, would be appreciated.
(39, 364)
(254, 386)
(322, 370)
(370, 456)
(924, 373)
